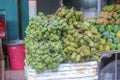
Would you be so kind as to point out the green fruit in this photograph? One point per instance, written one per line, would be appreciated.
(82, 42)
(73, 56)
(78, 57)
(91, 44)
(106, 48)
(101, 48)
(44, 29)
(118, 34)
(94, 30)
(113, 47)
(112, 35)
(82, 54)
(78, 50)
(109, 43)
(71, 49)
(88, 33)
(86, 38)
(101, 29)
(118, 47)
(93, 50)
(102, 41)
(118, 20)
(75, 34)
(108, 8)
(70, 38)
(115, 15)
(105, 34)
(116, 28)
(112, 22)
(116, 40)
(86, 51)
(86, 24)
(73, 45)
(43, 42)
(109, 40)
(109, 28)
(77, 41)
(79, 37)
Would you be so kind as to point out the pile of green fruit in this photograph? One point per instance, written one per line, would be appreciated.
(64, 36)
(43, 42)
(108, 24)
(80, 38)
(71, 15)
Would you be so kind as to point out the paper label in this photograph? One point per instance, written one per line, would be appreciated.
(32, 8)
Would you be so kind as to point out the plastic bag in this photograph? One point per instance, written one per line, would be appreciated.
(90, 13)
(108, 72)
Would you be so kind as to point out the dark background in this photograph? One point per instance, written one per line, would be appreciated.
(50, 6)
(47, 6)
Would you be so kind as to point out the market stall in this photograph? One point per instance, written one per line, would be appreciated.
(62, 42)
(65, 39)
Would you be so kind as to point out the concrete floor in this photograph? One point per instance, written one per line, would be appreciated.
(14, 75)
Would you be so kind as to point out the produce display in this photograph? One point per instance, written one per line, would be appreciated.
(108, 24)
(43, 45)
(67, 36)
(80, 38)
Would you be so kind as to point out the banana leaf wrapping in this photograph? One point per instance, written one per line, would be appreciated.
(106, 15)
(102, 21)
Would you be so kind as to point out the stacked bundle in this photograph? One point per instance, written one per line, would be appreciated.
(43, 45)
(108, 25)
(80, 38)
